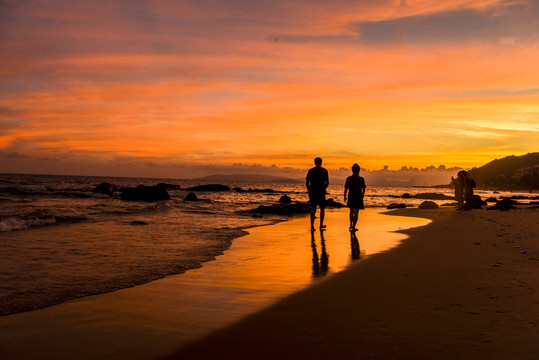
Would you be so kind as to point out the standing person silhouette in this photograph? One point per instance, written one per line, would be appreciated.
(459, 188)
(469, 184)
(355, 187)
(317, 181)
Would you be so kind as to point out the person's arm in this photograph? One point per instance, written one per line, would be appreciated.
(307, 184)
(345, 191)
(326, 181)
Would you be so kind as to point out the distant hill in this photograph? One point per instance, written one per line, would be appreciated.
(511, 172)
(248, 178)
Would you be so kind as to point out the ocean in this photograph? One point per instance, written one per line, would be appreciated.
(60, 241)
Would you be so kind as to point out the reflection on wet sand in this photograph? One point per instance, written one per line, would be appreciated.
(320, 263)
(354, 244)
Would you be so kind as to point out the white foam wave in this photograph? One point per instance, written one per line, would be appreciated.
(17, 223)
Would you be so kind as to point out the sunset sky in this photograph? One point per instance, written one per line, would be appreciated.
(188, 88)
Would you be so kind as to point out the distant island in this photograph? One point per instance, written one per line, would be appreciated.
(249, 178)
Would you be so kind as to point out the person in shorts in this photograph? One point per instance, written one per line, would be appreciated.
(317, 181)
(355, 189)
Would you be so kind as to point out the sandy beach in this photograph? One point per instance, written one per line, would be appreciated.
(463, 287)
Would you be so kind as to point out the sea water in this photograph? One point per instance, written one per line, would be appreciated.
(60, 241)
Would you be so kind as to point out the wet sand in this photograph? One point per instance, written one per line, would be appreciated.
(464, 287)
(154, 319)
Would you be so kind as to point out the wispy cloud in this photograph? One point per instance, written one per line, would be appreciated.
(508, 23)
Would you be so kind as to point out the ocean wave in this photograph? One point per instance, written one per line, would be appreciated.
(18, 223)
(49, 192)
(36, 217)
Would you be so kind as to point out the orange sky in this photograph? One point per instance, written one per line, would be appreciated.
(170, 89)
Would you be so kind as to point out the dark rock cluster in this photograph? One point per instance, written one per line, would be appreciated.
(190, 197)
(292, 208)
(105, 188)
(145, 193)
(396, 206)
(433, 196)
(504, 205)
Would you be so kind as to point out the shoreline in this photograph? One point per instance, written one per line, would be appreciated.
(462, 287)
(151, 320)
(226, 238)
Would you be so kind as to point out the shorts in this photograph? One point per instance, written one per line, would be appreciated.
(355, 203)
(317, 200)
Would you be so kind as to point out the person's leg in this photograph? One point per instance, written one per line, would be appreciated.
(351, 216)
(356, 215)
(322, 214)
(313, 216)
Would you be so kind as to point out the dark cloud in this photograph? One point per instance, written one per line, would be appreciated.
(309, 38)
(492, 24)
(508, 23)
(16, 155)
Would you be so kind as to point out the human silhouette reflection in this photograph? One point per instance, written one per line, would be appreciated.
(320, 263)
(354, 244)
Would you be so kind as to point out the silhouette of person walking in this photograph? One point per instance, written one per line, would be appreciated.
(355, 187)
(317, 181)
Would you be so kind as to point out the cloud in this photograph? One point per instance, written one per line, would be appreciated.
(16, 155)
(507, 24)
(504, 22)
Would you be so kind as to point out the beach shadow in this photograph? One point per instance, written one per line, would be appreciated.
(354, 244)
(320, 263)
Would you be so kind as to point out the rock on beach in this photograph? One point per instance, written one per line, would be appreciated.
(428, 205)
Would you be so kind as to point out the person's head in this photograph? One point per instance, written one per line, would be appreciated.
(318, 161)
(462, 173)
(355, 169)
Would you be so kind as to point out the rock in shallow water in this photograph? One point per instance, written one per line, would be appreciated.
(105, 188)
(396, 206)
(283, 209)
(433, 196)
(295, 208)
(190, 197)
(145, 193)
(169, 186)
(285, 199)
(139, 222)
